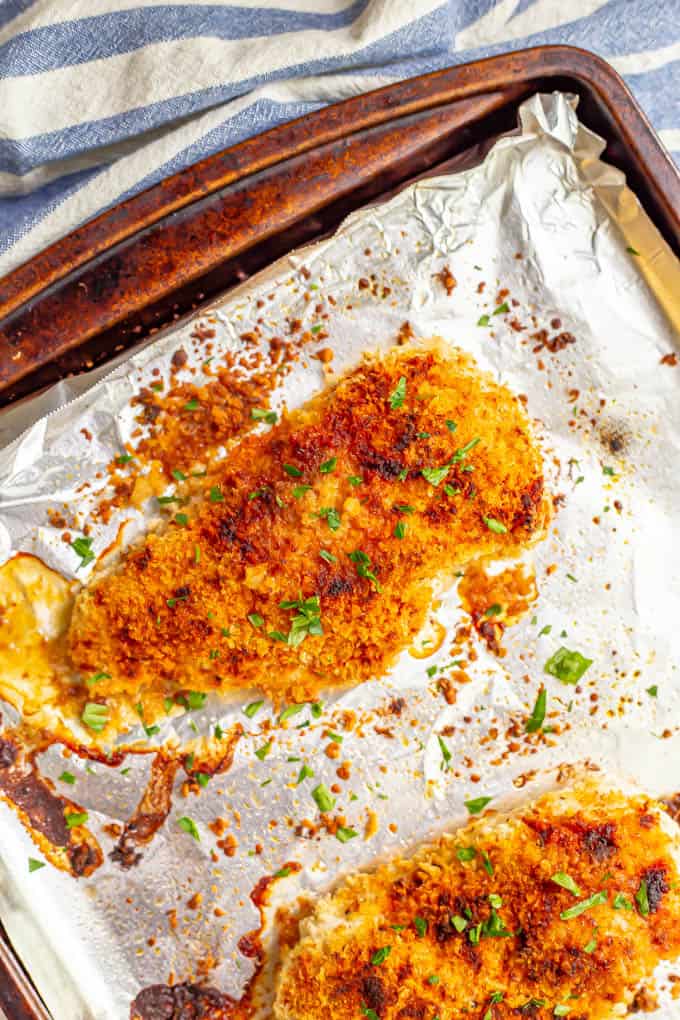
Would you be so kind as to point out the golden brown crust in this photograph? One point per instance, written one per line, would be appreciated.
(487, 936)
(184, 612)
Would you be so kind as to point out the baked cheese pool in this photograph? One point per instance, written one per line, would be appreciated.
(309, 561)
(559, 909)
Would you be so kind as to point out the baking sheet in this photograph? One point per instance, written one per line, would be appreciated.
(608, 414)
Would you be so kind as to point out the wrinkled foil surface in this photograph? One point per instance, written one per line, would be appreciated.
(609, 589)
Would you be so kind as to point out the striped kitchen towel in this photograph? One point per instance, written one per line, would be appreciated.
(100, 99)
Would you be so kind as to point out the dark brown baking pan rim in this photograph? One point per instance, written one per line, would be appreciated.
(328, 124)
(106, 286)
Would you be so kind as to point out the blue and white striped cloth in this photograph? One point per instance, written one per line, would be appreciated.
(100, 99)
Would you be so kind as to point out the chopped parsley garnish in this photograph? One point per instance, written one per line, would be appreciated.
(188, 825)
(494, 610)
(253, 708)
(344, 834)
(300, 490)
(261, 414)
(293, 471)
(466, 853)
(335, 737)
(355, 480)
(331, 516)
(317, 328)
(642, 899)
(97, 677)
(502, 309)
(451, 491)
(496, 526)
(483, 320)
(398, 394)
(545, 630)
(362, 563)
(218, 732)
(192, 405)
(595, 900)
(631, 250)
(327, 556)
(202, 778)
(283, 872)
(567, 666)
(328, 466)
(570, 577)
(290, 711)
(403, 474)
(435, 476)
(83, 547)
(263, 751)
(486, 862)
(537, 717)
(433, 979)
(306, 621)
(216, 494)
(420, 925)
(76, 818)
(171, 603)
(399, 529)
(317, 709)
(459, 923)
(34, 865)
(197, 554)
(124, 458)
(370, 1014)
(591, 946)
(182, 520)
(477, 805)
(451, 425)
(464, 450)
(305, 773)
(194, 700)
(561, 1010)
(565, 882)
(323, 798)
(178, 475)
(255, 619)
(495, 900)
(622, 902)
(653, 691)
(446, 755)
(606, 470)
(95, 716)
(381, 955)
(67, 777)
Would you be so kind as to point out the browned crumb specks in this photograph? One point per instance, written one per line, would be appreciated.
(559, 910)
(310, 560)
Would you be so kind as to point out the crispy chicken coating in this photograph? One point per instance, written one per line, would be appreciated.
(560, 909)
(309, 561)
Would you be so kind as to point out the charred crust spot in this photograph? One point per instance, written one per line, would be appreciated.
(181, 1002)
(338, 586)
(8, 754)
(599, 841)
(386, 467)
(83, 859)
(414, 1010)
(183, 592)
(657, 886)
(373, 991)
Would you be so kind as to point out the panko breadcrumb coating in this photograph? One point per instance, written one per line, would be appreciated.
(560, 909)
(310, 561)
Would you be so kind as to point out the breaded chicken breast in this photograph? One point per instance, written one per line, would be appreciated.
(310, 560)
(559, 909)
